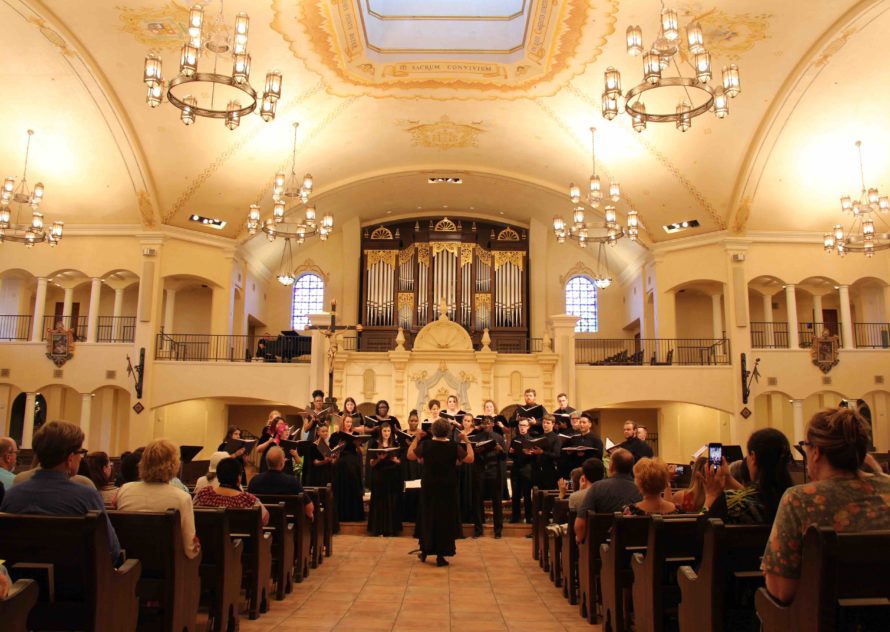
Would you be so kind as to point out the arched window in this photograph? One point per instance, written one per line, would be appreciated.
(581, 301)
(308, 299)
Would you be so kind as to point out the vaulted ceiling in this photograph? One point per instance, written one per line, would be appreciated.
(391, 92)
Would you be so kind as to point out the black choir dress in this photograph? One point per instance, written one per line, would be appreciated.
(439, 520)
(544, 468)
(387, 485)
(411, 471)
(317, 475)
(468, 492)
(347, 480)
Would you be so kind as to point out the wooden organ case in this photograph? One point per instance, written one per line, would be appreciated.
(478, 269)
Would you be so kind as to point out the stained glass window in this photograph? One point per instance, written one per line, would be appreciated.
(308, 299)
(581, 301)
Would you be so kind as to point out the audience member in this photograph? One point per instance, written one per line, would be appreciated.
(49, 490)
(839, 496)
(129, 467)
(610, 494)
(652, 478)
(229, 494)
(633, 444)
(8, 455)
(210, 478)
(692, 499)
(158, 466)
(591, 471)
(275, 481)
(769, 456)
(98, 467)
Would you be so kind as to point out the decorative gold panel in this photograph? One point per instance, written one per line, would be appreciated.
(484, 255)
(406, 254)
(444, 246)
(466, 254)
(381, 232)
(406, 299)
(508, 234)
(423, 254)
(515, 257)
(446, 225)
(483, 301)
(380, 256)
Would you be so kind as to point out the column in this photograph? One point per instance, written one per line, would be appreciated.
(563, 327)
(28, 427)
(318, 357)
(93, 317)
(86, 409)
(768, 333)
(791, 308)
(39, 309)
(846, 318)
(67, 307)
(116, 320)
(817, 315)
(716, 316)
(797, 416)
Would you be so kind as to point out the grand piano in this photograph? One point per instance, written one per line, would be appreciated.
(284, 347)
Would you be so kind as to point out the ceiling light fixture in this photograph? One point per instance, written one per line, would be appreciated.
(286, 275)
(863, 236)
(610, 231)
(603, 278)
(225, 47)
(21, 196)
(697, 95)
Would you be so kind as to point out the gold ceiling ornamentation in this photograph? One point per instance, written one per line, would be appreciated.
(330, 38)
(743, 212)
(484, 255)
(466, 254)
(158, 27)
(423, 254)
(834, 47)
(579, 269)
(406, 299)
(381, 232)
(445, 225)
(729, 35)
(445, 246)
(406, 254)
(380, 256)
(508, 234)
(444, 134)
(513, 257)
(52, 36)
(146, 209)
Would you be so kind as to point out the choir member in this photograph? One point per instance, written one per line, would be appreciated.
(452, 411)
(563, 413)
(490, 409)
(347, 474)
(411, 471)
(491, 468)
(316, 415)
(358, 420)
(381, 414)
(385, 515)
(274, 432)
(579, 447)
(521, 475)
(467, 476)
(322, 458)
(530, 410)
(546, 456)
(633, 444)
(440, 525)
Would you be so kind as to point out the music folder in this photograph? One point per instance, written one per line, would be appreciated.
(189, 452)
(233, 445)
(531, 412)
(383, 451)
(484, 446)
(327, 450)
(581, 450)
(302, 447)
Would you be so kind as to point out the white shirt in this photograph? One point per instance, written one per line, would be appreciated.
(202, 482)
(140, 496)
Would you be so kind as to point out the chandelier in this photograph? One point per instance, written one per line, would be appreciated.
(863, 236)
(603, 278)
(609, 230)
(290, 226)
(224, 47)
(693, 95)
(21, 196)
(286, 274)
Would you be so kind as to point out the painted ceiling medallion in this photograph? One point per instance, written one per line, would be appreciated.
(443, 134)
(729, 35)
(157, 27)
(356, 57)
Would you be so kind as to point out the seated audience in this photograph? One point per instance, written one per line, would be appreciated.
(839, 495)
(591, 471)
(158, 466)
(49, 490)
(129, 467)
(275, 481)
(652, 478)
(8, 454)
(610, 494)
(98, 467)
(229, 494)
(210, 477)
(692, 499)
(769, 456)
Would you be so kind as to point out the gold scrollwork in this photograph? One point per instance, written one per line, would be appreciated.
(381, 232)
(444, 246)
(466, 254)
(508, 234)
(423, 254)
(380, 256)
(445, 225)
(406, 254)
(483, 301)
(406, 299)
(514, 257)
(484, 255)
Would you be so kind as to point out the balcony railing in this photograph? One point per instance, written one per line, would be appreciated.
(503, 345)
(220, 348)
(77, 323)
(652, 351)
(807, 332)
(769, 335)
(871, 335)
(116, 329)
(15, 327)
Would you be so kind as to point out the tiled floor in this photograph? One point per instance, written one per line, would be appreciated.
(373, 584)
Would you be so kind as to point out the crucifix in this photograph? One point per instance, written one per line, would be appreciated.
(330, 333)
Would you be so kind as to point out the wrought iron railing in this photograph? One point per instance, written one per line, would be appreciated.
(221, 348)
(769, 335)
(652, 351)
(807, 332)
(505, 345)
(15, 327)
(871, 335)
(116, 329)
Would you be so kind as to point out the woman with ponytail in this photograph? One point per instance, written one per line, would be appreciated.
(769, 456)
(839, 495)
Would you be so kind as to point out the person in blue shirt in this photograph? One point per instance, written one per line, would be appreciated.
(8, 454)
(59, 449)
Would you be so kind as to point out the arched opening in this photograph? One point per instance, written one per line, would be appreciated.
(17, 415)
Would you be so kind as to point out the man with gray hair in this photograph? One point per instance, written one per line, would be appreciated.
(610, 494)
(275, 481)
(8, 454)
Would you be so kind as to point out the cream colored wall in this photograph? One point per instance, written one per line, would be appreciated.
(694, 315)
(195, 422)
(684, 428)
(611, 421)
(192, 311)
(128, 307)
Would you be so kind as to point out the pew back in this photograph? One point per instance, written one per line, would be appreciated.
(220, 567)
(599, 526)
(629, 535)
(256, 566)
(302, 530)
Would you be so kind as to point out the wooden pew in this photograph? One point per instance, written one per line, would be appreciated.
(169, 588)
(568, 566)
(89, 593)
(844, 581)
(542, 505)
(324, 510)
(590, 597)
(629, 535)
(281, 528)
(220, 568)
(256, 558)
(14, 609)
(553, 534)
(317, 526)
(302, 530)
(671, 542)
(730, 561)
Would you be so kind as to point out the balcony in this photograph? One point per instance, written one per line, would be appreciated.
(774, 335)
(221, 348)
(504, 344)
(652, 351)
(109, 328)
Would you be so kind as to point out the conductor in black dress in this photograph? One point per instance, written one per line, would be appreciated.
(439, 504)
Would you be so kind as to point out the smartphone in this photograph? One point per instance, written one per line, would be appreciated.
(715, 455)
(680, 470)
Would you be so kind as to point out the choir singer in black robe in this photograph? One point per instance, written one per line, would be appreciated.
(491, 468)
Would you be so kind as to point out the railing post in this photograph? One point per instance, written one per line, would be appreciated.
(791, 308)
(93, 314)
(847, 341)
(116, 317)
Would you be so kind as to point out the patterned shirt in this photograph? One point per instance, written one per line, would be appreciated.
(208, 497)
(842, 504)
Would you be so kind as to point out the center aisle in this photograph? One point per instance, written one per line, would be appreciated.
(373, 584)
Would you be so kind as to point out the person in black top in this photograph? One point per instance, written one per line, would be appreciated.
(562, 422)
(491, 467)
(467, 474)
(320, 473)
(546, 456)
(411, 471)
(316, 415)
(358, 420)
(584, 439)
(452, 411)
(521, 475)
(381, 411)
(490, 409)
(275, 481)
(439, 523)
(633, 444)
(385, 512)
(347, 475)
(530, 410)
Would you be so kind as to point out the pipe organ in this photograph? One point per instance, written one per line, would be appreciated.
(476, 270)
